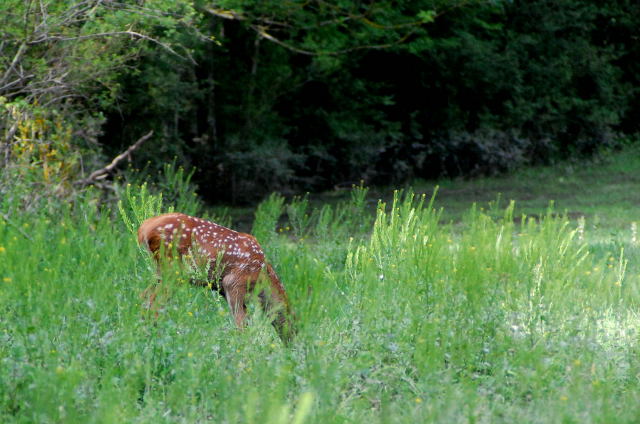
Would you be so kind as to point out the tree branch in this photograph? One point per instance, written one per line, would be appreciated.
(16, 58)
(262, 32)
(102, 173)
(49, 38)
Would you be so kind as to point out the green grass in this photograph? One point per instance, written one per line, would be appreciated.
(410, 314)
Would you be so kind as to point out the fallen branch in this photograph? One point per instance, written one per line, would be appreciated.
(102, 173)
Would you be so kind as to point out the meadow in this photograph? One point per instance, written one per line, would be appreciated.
(418, 308)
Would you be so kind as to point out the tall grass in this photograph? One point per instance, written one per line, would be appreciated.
(403, 318)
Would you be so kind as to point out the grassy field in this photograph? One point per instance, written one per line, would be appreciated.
(411, 310)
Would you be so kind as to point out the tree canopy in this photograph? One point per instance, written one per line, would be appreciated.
(304, 95)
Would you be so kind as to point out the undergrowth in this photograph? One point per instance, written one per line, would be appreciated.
(403, 318)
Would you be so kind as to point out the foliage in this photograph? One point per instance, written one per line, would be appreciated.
(299, 96)
(62, 50)
(60, 64)
(43, 159)
(296, 95)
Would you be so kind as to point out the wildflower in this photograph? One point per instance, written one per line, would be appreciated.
(189, 354)
(190, 313)
(6, 279)
(418, 400)
(564, 398)
(2, 249)
(577, 362)
(617, 283)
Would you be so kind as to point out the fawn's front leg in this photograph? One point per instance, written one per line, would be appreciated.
(235, 289)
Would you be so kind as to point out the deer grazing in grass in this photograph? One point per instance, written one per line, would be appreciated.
(236, 263)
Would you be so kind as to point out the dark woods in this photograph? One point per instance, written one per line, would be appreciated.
(294, 96)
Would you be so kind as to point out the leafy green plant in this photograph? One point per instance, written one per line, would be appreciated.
(266, 217)
(139, 204)
(298, 213)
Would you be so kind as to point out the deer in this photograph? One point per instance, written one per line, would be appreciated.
(235, 260)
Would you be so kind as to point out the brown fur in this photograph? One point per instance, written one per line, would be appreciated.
(242, 262)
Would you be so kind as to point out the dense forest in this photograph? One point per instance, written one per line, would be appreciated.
(306, 95)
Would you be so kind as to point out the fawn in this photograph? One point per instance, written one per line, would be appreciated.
(236, 263)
